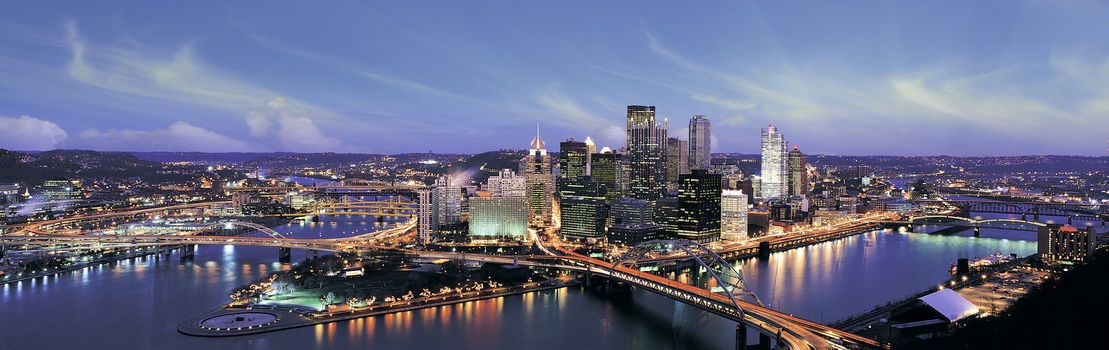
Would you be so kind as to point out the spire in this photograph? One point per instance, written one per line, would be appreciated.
(537, 143)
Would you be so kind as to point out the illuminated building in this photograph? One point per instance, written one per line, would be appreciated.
(583, 209)
(733, 215)
(774, 164)
(607, 170)
(498, 218)
(507, 184)
(573, 161)
(536, 168)
(62, 189)
(677, 161)
(700, 142)
(1065, 243)
(695, 213)
(798, 173)
(646, 154)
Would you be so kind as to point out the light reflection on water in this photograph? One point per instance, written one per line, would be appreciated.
(140, 301)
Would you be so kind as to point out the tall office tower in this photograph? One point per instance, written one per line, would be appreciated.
(507, 184)
(573, 159)
(609, 173)
(498, 218)
(700, 142)
(699, 206)
(536, 167)
(583, 209)
(677, 162)
(798, 173)
(733, 215)
(423, 231)
(646, 154)
(774, 164)
(590, 148)
(446, 203)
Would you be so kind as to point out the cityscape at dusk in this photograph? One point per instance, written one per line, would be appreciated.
(554, 175)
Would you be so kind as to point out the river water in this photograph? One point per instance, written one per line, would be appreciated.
(137, 304)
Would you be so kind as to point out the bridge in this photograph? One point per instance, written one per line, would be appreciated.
(385, 208)
(1030, 209)
(333, 189)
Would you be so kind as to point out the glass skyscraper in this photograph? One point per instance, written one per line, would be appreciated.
(646, 154)
(700, 142)
(775, 170)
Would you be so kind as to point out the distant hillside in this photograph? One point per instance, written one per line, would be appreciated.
(492, 161)
(31, 168)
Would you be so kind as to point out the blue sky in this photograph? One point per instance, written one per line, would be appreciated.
(867, 77)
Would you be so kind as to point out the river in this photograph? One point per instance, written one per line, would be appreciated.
(137, 304)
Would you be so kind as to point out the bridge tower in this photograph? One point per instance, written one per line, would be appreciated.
(977, 231)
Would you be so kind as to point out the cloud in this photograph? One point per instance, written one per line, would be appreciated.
(288, 127)
(179, 136)
(179, 77)
(29, 133)
(726, 103)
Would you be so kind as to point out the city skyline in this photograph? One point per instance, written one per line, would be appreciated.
(899, 79)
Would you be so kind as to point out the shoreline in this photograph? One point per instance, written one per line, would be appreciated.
(291, 317)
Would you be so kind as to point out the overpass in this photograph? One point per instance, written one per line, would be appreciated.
(1030, 209)
(976, 224)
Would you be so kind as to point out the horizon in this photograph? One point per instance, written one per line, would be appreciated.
(937, 78)
(556, 152)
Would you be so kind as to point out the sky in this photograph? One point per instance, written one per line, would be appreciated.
(836, 77)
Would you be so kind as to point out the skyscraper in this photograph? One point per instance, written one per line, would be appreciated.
(536, 167)
(798, 173)
(774, 164)
(440, 208)
(733, 215)
(608, 171)
(700, 143)
(677, 161)
(590, 149)
(583, 209)
(573, 160)
(699, 207)
(646, 154)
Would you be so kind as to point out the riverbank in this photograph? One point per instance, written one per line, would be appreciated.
(285, 317)
(131, 254)
(1069, 311)
(975, 287)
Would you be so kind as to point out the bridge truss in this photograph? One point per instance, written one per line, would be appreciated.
(729, 280)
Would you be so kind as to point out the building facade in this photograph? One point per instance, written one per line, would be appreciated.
(798, 173)
(700, 142)
(583, 209)
(1064, 243)
(536, 168)
(498, 218)
(774, 167)
(646, 153)
(733, 215)
(607, 170)
(507, 184)
(677, 162)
